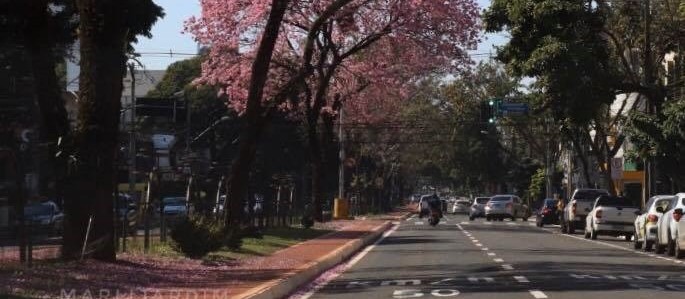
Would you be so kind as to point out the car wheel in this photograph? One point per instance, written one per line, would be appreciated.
(670, 246)
(593, 234)
(471, 218)
(658, 248)
(629, 238)
(524, 219)
(648, 245)
(679, 252)
(513, 218)
(571, 229)
(487, 218)
(636, 243)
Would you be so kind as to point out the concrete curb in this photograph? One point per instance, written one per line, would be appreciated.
(291, 281)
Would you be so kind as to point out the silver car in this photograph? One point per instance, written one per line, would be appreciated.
(461, 206)
(506, 206)
(478, 207)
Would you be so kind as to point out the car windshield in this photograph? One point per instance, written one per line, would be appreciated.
(501, 198)
(41, 209)
(588, 195)
(174, 201)
(482, 200)
(613, 201)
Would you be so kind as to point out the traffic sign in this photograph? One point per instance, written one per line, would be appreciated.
(514, 108)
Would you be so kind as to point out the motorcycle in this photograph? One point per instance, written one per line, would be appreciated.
(434, 217)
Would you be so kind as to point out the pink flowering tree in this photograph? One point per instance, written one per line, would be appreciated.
(323, 50)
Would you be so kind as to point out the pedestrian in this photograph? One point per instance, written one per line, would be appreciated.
(560, 207)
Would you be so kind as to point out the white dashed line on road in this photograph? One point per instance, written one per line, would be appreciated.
(498, 260)
(491, 254)
(479, 244)
(512, 223)
(485, 249)
(537, 294)
(418, 222)
(507, 267)
(521, 279)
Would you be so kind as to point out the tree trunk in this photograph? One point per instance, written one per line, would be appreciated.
(103, 41)
(316, 164)
(256, 120)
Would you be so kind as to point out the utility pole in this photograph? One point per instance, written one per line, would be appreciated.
(132, 154)
(341, 166)
(649, 167)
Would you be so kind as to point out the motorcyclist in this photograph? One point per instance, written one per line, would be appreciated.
(435, 204)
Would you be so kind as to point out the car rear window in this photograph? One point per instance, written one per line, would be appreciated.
(612, 201)
(588, 195)
(482, 200)
(550, 203)
(501, 198)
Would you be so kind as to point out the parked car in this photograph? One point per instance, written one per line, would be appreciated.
(478, 207)
(671, 229)
(461, 206)
(547, 214)
(44, 217)
(647, 222)
(578, 207)
(506, 206)
(611, 215)
(174, 206)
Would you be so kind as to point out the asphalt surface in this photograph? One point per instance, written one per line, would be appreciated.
(480, 259)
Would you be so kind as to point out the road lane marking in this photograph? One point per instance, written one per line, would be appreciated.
(521, 279)
(512, 223)
(675, 261)
(491, 254)
(464, 222)
(485, 249)
(418, 223)
(537, 294)
(477, 279)
(332, 274)
(507, 267)
(479, 244)
(498, 260)
(487, 222)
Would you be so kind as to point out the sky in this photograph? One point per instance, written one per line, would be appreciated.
(167, 36)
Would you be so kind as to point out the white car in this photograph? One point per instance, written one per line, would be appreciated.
(646, 223)
(671, 230)
(461, 206)
(578, 207)
(611, 215)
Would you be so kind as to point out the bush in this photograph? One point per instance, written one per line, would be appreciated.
(197, 236)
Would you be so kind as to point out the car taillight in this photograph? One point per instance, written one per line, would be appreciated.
(677, 216)
(598, 214)
(509, 206)
(652, 218)
(547, 211)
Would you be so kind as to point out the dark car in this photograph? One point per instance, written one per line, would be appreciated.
(547, 214)
(44, 218)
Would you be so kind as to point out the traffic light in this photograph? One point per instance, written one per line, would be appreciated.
(490, 110)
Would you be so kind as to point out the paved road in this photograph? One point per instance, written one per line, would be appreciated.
(479, 259)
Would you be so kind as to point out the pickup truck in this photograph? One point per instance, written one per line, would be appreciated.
(611, 215)
(578, 208)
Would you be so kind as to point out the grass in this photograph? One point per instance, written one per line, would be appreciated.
(272, 240)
